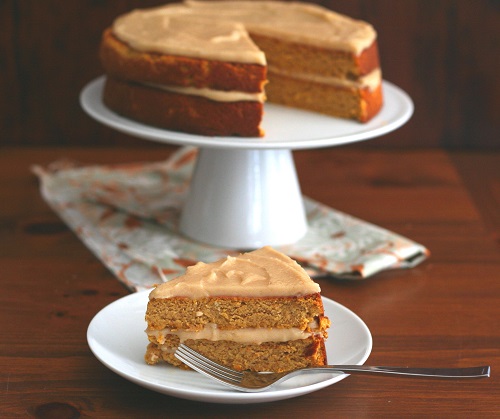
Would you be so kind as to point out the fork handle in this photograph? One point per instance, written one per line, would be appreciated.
(470, 372)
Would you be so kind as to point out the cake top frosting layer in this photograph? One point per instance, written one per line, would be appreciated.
(218, 29)
(262, 273)
(179, 30)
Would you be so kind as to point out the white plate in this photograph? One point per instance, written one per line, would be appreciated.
(116, 337)
(285, 127)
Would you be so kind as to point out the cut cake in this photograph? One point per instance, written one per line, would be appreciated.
(201, 66)
(257, 311)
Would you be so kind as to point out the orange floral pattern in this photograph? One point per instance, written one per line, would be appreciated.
(128, 216)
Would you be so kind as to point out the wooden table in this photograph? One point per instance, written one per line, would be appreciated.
(445, 311)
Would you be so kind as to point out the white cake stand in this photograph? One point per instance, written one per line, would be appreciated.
(244, 191)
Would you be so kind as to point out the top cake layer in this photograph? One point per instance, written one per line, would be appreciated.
(181, 29)
(262, 273)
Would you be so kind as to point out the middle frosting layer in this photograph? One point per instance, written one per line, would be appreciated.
(245, 335)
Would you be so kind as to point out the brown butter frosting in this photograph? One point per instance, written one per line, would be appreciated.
(245, 335)
(262, 273)
(182, 29)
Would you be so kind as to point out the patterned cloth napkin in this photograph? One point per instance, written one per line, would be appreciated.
(128, 216)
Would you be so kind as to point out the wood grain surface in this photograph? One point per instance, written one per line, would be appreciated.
(443, 312)
(444, 53)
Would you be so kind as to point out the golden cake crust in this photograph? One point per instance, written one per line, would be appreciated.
(371, 103)
(368, 60)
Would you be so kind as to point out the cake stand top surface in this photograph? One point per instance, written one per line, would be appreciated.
(284, 127)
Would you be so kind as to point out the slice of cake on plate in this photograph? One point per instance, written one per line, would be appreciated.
(201, 66)
(258, 311)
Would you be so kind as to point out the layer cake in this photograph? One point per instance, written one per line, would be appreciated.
(206, 67)
(257, 311)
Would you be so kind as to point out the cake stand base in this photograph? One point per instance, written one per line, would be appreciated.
(244, 199)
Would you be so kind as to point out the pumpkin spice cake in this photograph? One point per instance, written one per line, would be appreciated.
(206, 67)
(258, 311)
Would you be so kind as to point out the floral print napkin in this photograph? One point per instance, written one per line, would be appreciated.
(127, 215)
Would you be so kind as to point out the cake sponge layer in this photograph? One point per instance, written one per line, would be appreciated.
(268, 356)
(178, 112)
(340, 101)
(235, 312)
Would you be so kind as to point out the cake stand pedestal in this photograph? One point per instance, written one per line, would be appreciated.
(244, 192)
(244, 199)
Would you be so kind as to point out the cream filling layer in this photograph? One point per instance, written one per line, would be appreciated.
(216, 95)
(370, 81)
(245, 335)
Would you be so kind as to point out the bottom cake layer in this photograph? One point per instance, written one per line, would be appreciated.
(267, 356)
(180, 112)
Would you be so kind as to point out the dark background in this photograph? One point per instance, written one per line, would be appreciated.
(444, 53)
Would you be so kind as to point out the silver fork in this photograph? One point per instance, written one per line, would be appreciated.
(249, 381)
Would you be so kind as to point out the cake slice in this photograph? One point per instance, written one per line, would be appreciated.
(258, 311)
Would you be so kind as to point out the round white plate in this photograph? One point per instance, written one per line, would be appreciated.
(285, 127)
(116, 337)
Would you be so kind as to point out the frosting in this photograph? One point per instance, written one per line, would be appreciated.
(168, 30)
(182, 29)
(217, 95)
(244, 335)
(370, 81)
(262, 273)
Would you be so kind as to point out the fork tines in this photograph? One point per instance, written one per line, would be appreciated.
(207, 367)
